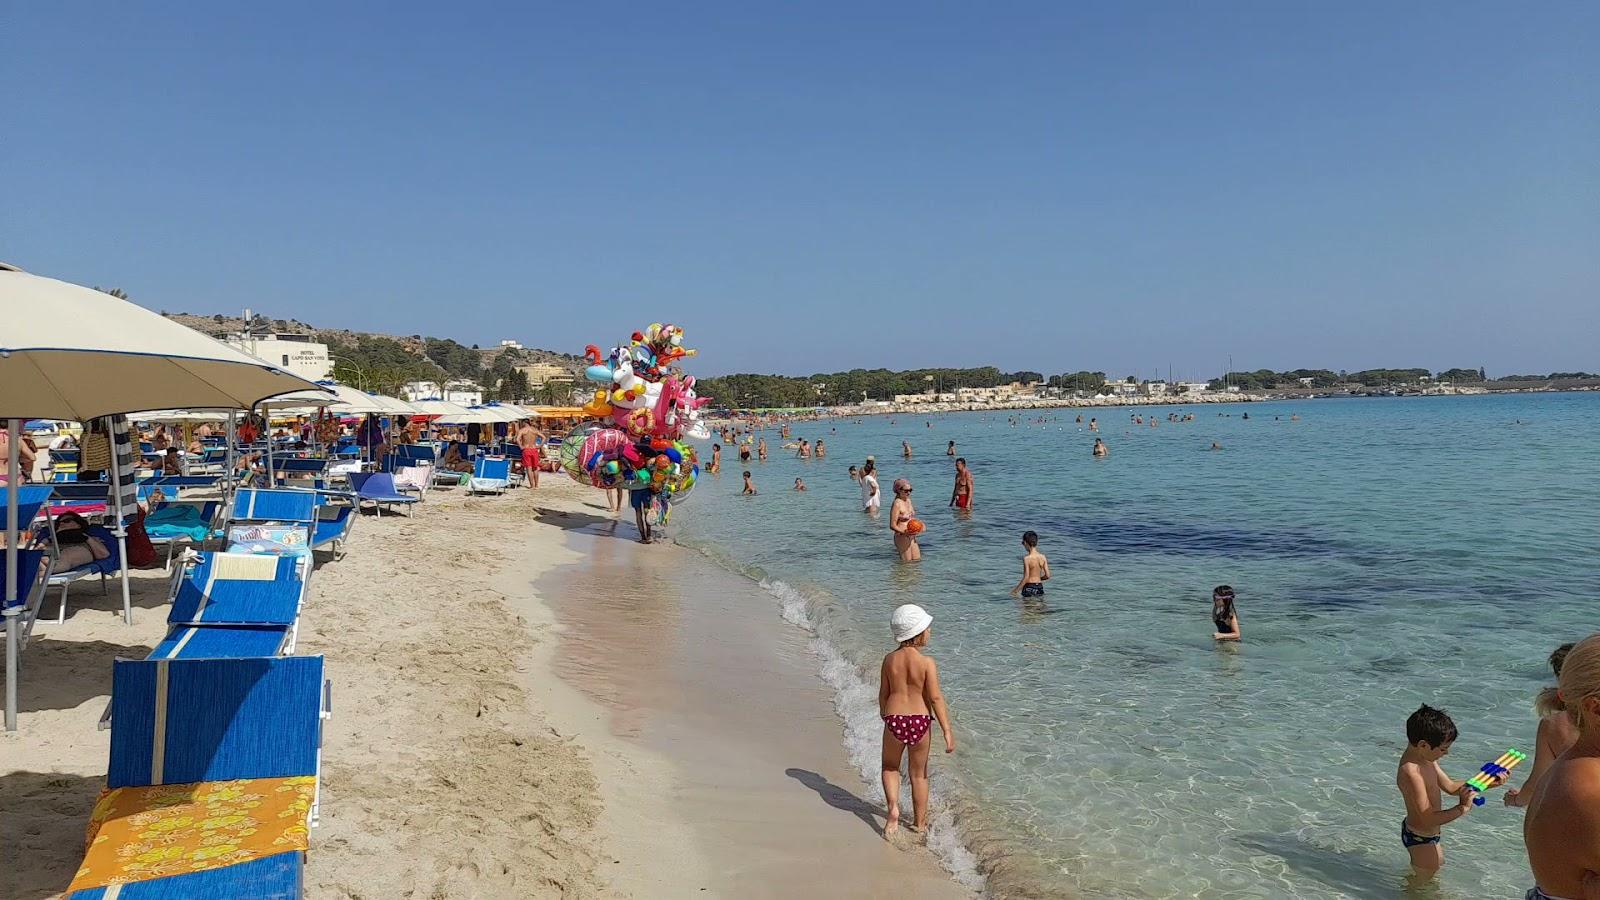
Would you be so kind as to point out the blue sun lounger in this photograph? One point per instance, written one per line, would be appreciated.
(111, 565)
(170, 536)
(490, 474)
(378, 489)
(296, 507)
(188, 723)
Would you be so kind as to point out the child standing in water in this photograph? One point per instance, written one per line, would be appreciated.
(1429, 734)
(1035, 568)
(909, 701)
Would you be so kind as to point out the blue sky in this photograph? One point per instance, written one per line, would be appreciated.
(808, 187)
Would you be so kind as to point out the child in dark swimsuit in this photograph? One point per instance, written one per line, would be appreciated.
(1223, 615)
(1035, 568)
(909, 701)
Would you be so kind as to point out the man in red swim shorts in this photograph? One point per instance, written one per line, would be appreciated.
(961, 496)
(530, 440)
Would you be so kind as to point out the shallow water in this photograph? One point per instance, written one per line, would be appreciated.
(1386, 552)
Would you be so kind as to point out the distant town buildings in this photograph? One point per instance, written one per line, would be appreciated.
(541, 374)
(464, 393)
(510, 345)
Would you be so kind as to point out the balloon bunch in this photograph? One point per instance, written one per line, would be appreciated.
(609, 458)
(641, 389)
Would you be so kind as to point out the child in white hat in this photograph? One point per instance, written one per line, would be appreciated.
(909, 701)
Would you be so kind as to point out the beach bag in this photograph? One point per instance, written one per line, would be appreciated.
(141, 553)
(96, 452)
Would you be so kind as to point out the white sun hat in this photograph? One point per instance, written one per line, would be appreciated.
(908, 621)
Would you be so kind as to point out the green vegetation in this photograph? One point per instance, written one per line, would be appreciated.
(1553, 376)
(842, 388)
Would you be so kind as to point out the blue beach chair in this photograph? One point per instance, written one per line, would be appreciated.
(111, 565)
(378, 489)
(490, 475)
(189, 723)
(329, 526)
(170, 536)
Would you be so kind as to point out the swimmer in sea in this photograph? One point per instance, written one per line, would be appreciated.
(716, 459)
(1094, 425)
(1035, 568)
(909, 701)
(1100, 449)
(950, 449)
(761, 450)
(1216, 446)
(749, 486)
(799, 484)
(905, 449)
(855, 474)
(961, 494)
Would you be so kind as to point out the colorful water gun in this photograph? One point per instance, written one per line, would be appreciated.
(1494, 774)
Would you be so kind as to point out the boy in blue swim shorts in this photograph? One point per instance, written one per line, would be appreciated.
(1422, 783)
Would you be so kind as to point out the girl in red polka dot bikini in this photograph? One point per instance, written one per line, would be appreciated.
(909, 701)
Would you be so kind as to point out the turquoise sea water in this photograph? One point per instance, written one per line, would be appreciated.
(1386, 552)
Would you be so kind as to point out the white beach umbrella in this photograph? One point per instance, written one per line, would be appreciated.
(438, 408)
(180, 415)
(395, 405)
(71, 352)
(476, 415)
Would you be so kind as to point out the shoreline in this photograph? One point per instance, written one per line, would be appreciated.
(680, 674)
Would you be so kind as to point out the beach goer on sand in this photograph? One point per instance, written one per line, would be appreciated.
(909, 701)
(172, 462)
(749, 486)
(452, 460)
(614, 500)
(905, 449)
(822, 451)
(870, 497)
(761, 450)
(531, 440)
(950, 449)
(642, 499)
(799, 484)
(1101, 451)
(961, 494)
(1429, 734)
(1223, 614)
(1556, 735)
(1562, 827)
(855, 474)
(1035, 568)
(901, 513)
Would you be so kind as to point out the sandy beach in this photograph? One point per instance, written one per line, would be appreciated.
(526, 704)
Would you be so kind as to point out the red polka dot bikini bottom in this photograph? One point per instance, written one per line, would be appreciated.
(909, 730)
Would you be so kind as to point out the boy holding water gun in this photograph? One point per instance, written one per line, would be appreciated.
(1422, 783)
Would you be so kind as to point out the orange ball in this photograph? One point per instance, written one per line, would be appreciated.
(914, 526)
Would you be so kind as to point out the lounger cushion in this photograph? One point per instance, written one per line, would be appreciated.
(142, 833)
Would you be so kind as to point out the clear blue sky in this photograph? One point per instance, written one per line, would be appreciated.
(811, 186)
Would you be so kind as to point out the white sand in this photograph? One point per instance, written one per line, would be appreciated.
(457, 764)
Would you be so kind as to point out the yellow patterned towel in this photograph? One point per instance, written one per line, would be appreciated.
(140, 833)
(243, 567)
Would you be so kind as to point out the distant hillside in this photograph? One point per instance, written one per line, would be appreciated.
(383, 362)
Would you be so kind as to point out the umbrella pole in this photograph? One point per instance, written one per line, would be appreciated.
(227, 478)
(118, 530)
(12, 611)
(272, 472)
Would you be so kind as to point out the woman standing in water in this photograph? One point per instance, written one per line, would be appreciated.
(1223, 614)
(901, 515)
(909, 700)
(1556, 733)
(1562, 827)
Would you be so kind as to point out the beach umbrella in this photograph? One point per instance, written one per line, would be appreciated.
(69, 352)
(438, 407)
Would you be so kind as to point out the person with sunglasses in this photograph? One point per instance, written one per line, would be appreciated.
(901, 515)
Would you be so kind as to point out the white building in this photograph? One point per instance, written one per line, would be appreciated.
(1194, 387)
(464, 393)
(297, 353)
(511, 345)
(1155, 388)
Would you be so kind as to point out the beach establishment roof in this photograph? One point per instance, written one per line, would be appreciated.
(559, 412)
(75, 353)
